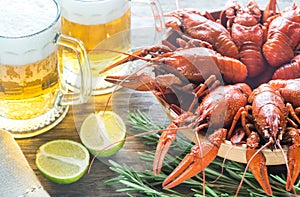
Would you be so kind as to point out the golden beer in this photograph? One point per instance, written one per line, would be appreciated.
(91, 36)
(28, 91)
(33, 93)
(92, 22)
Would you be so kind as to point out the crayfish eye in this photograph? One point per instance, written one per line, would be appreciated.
(241, 90)
(267, 128)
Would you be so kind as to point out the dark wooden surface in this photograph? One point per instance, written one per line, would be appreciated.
(124, 101)
(92, 184)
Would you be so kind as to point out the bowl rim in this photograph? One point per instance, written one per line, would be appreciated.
(230, 151)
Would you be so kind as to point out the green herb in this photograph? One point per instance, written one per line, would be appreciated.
(145, 183)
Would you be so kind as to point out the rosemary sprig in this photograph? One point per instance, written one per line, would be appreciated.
(146, 183)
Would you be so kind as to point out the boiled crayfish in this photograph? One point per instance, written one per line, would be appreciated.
(199, 27)
(218, 111)
(269, 117)
(248, 34)
(242, 45)
(194, 63)
(283, 37)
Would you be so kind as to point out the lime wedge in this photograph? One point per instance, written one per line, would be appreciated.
(62, 161)
(103, 133)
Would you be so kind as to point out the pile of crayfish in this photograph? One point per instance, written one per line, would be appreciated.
(234, 77)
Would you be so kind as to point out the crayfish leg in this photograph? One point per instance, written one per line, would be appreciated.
(270, 10)
(293, 112)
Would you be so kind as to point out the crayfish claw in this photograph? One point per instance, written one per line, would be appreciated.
(257, 163)
(164, 143)
(259, 170)
(293, 159)
(184, 171)
(197, 160)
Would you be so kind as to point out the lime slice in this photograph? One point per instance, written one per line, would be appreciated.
(62, 161)
(103, 133)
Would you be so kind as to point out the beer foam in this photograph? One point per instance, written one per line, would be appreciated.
(27, 30)
(21, 19)
(91, 12)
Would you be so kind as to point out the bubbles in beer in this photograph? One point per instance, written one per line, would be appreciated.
(28, 59)
(95, 12)
(92, 25)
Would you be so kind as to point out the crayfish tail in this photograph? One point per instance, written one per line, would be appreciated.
(277, 50)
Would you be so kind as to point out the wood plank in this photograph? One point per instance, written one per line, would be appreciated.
(92, 184)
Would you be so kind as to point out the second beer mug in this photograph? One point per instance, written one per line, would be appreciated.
(33, 93)
(93, 21)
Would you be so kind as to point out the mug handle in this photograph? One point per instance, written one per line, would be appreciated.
(85, 89)
(158, 15)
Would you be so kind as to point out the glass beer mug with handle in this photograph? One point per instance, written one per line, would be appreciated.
(33, 93)
(93, 21)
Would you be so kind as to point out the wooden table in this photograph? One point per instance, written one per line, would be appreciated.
(125, 101)
(92, 184)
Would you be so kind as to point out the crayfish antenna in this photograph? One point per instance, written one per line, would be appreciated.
(223, 165)
(136, 55)
(130, 57)
(235, 139)
(116, 142)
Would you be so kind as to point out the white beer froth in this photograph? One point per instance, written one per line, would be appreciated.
(92, 12)
(27, 30)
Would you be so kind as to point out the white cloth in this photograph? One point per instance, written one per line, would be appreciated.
(17, 179)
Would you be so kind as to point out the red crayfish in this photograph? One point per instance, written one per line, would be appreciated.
(248, 34)
(193, 63)
(270, 113)
(283, 37)
(250, 45)
(195, 25)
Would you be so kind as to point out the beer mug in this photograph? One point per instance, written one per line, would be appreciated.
(93, 21)
(33, 93)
